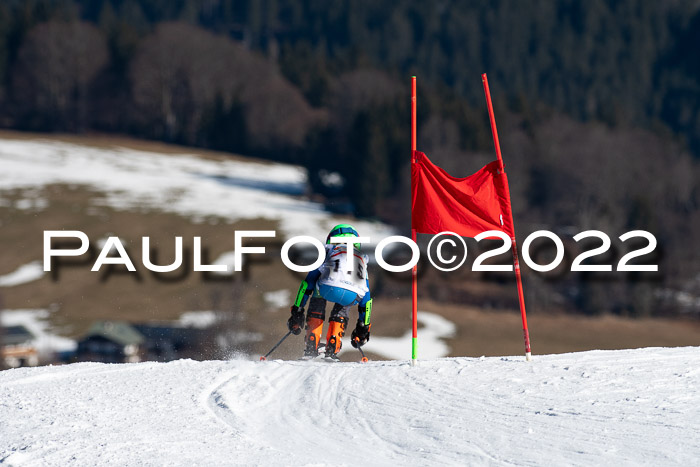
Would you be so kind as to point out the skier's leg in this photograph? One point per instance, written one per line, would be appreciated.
(314, 325)
(336, 329)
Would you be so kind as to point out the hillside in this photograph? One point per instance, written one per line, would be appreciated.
(129, 189)
(132, 189)
(596, 104)
(634, 407)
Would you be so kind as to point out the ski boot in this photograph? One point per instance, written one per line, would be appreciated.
(314, 328)
(336, 331)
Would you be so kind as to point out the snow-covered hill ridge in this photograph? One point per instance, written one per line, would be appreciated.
(186, 184)
(636, 407)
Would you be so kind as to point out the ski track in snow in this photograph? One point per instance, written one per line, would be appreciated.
(635, 407)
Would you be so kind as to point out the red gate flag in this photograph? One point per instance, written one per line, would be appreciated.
(466, 206)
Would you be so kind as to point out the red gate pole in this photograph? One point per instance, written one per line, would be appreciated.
(414, 272)
(516, 262)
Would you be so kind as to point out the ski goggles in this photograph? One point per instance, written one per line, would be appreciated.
(342, 232)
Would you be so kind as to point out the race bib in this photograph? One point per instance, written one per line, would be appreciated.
(335, 273)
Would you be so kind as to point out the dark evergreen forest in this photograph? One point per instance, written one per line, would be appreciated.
(598, 102)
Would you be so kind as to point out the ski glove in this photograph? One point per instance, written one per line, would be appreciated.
(296, 321)
(360, 335)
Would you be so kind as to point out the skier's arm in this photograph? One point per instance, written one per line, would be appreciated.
(307, 287)
(360, 335)
(365, 307)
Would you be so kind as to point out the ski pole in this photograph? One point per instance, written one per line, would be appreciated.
(264, 357)
(364, 359)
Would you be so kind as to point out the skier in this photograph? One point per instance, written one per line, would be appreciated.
(332, 282)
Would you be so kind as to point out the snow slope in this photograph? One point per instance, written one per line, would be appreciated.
(188, 185)
(38, 323)
(23, 274)
(434, 328)
(632, 407)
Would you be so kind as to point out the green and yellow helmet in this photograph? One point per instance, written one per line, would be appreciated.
(343, 230)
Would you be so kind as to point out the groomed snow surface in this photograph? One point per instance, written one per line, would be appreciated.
(633, 407)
